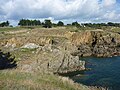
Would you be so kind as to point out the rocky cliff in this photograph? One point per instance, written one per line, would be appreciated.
(59, 51)
(96, 43)
(51, 59)
(56, 51)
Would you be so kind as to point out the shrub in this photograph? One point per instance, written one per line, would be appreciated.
(7, 61)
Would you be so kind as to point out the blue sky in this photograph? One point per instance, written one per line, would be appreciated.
(65, 10)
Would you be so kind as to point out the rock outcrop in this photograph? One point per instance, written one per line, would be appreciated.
(96, 43)
(60, 51)
(54, 60)
(67, 63)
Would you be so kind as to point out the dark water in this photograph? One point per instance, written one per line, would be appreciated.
(104, 72)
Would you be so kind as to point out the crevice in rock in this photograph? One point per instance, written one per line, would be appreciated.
(94, 41)
(61, 64)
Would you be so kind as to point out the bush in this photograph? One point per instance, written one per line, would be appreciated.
(47, 24)
(60, 23)
(7, 61)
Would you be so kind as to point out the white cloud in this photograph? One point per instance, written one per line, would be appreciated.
(79, 10)
(112, 16)
(109, 2)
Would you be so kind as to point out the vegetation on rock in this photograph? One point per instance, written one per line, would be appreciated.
(6, 61)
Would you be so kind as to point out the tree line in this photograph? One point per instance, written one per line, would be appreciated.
(4, 24)
(49, 24)
(27, 22)
(99, 25)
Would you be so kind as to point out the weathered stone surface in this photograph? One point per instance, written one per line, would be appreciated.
(52, 59)
(30, 46)
(67, 63)
(81, 38)
(97, 43)
(59, 51)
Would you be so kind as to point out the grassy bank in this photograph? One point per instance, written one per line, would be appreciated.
(16, 80)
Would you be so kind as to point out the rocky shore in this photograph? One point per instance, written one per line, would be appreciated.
(52, 51)
(97, 43)
(60, 51)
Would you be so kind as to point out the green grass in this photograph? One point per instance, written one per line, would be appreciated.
(20, 54)
(2, 29)
(65, 28)
(14, 80)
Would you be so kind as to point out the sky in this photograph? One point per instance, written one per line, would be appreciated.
(83, 11)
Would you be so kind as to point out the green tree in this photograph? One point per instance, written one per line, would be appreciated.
(4, 24)
(38, 22)
(47, 24)
(76, 24)
(7, 23)
(110, 24)
(27, 22)
(21, 22)
(60, 23)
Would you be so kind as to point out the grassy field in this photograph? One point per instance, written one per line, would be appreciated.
(2, 29)
(16, 80)
(65, 28)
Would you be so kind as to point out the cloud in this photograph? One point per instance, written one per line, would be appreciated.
(79, 10)
(107, 3)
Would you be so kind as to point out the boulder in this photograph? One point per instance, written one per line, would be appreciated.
(66, 63)
(30, 46)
